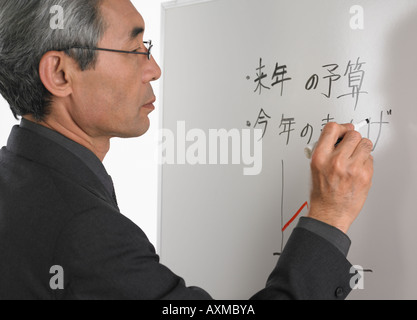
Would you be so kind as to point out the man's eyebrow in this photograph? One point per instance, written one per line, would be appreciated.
(136, 31)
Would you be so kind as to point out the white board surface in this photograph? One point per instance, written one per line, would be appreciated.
(285, 67)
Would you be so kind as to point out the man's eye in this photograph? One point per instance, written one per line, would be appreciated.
(136, 50)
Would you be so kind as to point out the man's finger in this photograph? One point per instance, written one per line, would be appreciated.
(347, 147)
(363, 150)
(332, 132)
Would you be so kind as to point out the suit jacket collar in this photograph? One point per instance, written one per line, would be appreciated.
(39, 149)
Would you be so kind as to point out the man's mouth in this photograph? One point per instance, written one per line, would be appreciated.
(149, 105)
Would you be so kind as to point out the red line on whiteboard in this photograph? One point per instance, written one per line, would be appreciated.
(295, 216)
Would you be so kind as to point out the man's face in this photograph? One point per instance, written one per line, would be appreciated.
(115, 98)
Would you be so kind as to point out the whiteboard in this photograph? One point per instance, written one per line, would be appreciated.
(284, 68)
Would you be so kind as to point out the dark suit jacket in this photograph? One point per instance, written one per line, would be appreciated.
(55, 211)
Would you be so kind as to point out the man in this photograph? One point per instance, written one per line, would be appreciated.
(80, 86)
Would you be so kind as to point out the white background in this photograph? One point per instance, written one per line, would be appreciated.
(132, 163)
(220, 228)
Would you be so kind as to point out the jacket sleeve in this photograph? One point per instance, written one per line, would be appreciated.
(310, 268)
(106, 256)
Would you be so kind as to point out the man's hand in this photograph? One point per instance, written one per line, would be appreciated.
(341, 176)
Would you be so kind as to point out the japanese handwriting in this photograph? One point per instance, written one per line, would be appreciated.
(332, 81)
(354, 73)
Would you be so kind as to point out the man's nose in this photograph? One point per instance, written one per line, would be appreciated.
(156, 70)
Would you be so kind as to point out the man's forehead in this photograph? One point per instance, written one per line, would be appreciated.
(122, 19)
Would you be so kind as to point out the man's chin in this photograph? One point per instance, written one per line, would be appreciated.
(135, 133)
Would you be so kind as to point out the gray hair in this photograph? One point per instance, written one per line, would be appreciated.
(26, 35)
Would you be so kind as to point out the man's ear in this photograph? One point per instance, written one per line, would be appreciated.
(54, 71)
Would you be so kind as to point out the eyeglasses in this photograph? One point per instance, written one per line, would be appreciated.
(148, 45)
